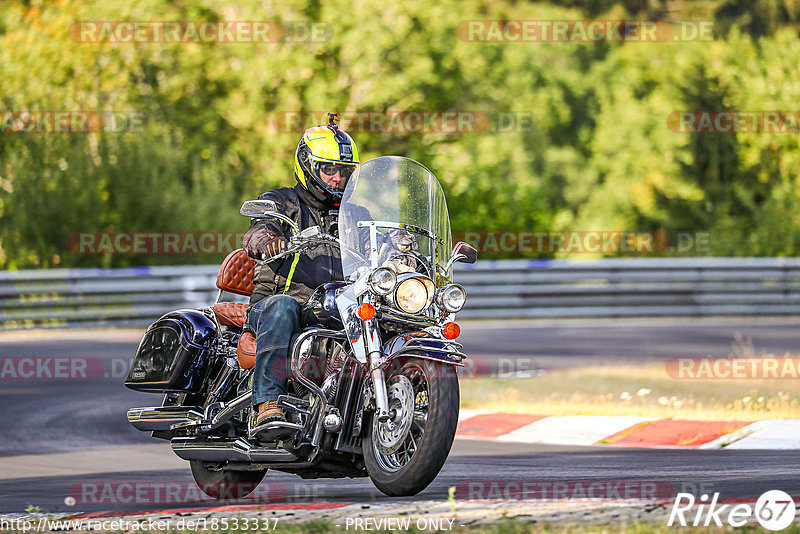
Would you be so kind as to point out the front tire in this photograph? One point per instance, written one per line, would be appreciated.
(225, 485)
(420, 457)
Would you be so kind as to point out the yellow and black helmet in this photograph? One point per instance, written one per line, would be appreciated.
(328, 148)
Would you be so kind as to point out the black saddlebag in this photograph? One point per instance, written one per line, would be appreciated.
(175, 354)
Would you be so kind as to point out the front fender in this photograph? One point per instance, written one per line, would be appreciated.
(423, 345)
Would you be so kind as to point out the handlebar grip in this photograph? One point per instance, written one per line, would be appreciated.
(278, 256)
(294, 247)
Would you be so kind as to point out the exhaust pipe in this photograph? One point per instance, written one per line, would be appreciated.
(239, 450)
(163, 417)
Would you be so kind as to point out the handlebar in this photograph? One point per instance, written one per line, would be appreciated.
(299, 243)
(257, 209)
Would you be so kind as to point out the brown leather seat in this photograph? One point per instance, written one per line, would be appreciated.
(236, 273)
(246, 351)
(235, 276)
(231, 313)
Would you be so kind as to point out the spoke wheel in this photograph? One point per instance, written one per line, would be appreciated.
(391, 435)
(404, 455)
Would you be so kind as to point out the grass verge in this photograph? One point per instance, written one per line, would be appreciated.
(642, 390)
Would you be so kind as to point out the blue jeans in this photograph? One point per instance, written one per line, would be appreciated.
(275, 320)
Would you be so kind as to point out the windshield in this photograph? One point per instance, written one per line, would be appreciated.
(409, 211)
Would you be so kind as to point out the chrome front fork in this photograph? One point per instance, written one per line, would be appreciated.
(366, 342)
(381, 396)
(375, 359)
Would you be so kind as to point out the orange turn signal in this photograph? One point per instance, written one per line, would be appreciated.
(366, 311)
(451, 330)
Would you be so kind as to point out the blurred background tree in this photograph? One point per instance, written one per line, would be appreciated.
(599, 155)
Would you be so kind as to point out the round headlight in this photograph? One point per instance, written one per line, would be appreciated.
(411, 295)
(382, 281)
(452, 298)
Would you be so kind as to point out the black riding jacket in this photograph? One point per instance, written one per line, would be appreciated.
(299, 275)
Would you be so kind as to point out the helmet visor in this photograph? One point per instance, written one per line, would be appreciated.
(333, 175)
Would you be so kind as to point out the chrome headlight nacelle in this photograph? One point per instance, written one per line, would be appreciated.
(451, 298)
(383, 281)
(414, 293)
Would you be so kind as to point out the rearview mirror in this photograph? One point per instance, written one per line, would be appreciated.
(257, 208)
(267, 208)
(467, 252)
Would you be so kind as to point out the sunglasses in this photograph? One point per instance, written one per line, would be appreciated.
(331, 168)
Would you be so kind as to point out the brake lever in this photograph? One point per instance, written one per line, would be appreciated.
(278, 256)
(295, 245)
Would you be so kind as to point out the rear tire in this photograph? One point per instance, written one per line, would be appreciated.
(388, 472)
(225, 485)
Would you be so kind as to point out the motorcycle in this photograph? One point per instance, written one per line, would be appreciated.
(372, 387)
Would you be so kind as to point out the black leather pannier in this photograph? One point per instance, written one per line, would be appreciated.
(175, 354)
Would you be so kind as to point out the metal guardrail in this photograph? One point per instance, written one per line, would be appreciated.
(495, 289)
(631, 287)
(102, 297)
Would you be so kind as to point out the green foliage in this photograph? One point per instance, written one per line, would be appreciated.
(599, 156)
(755, 17)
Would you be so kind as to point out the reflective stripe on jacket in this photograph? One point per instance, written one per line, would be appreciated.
(299, 275)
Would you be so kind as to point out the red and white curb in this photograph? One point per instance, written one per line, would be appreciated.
(624, 431)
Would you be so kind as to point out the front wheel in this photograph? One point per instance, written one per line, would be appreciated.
(404, 454)
(225, 485)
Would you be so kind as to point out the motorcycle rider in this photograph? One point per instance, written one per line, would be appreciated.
(325, 158)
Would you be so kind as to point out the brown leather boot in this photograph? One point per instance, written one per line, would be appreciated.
(268, 412)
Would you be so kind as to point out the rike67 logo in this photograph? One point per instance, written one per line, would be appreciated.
(774, 510)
